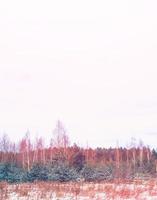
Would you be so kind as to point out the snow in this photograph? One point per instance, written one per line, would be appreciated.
(85, 191)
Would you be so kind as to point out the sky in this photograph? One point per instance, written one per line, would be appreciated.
(90, 64)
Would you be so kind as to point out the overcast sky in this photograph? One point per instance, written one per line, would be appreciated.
(91, 64)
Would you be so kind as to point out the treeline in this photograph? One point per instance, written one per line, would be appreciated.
(60, 161)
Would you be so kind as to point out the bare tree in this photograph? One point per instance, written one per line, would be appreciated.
(22, 149)
(5, 143)
(25, 149)
(60, 137)
(141, 152)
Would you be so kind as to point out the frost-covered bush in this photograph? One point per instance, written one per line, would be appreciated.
(97, 173)
(3, 171)
(62, 173)
(37, 172)
(10, 172)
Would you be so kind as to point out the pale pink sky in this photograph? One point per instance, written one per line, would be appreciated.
(91, 64)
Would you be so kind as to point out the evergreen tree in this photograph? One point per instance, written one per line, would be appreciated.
(37, 172)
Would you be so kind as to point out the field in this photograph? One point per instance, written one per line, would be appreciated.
(30, 170)
(117, 190)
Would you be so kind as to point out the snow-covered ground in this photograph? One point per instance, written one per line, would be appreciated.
(138, 190)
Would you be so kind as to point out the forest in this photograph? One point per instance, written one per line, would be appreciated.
(29, 161)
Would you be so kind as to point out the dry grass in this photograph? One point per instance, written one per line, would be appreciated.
(120, 189)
